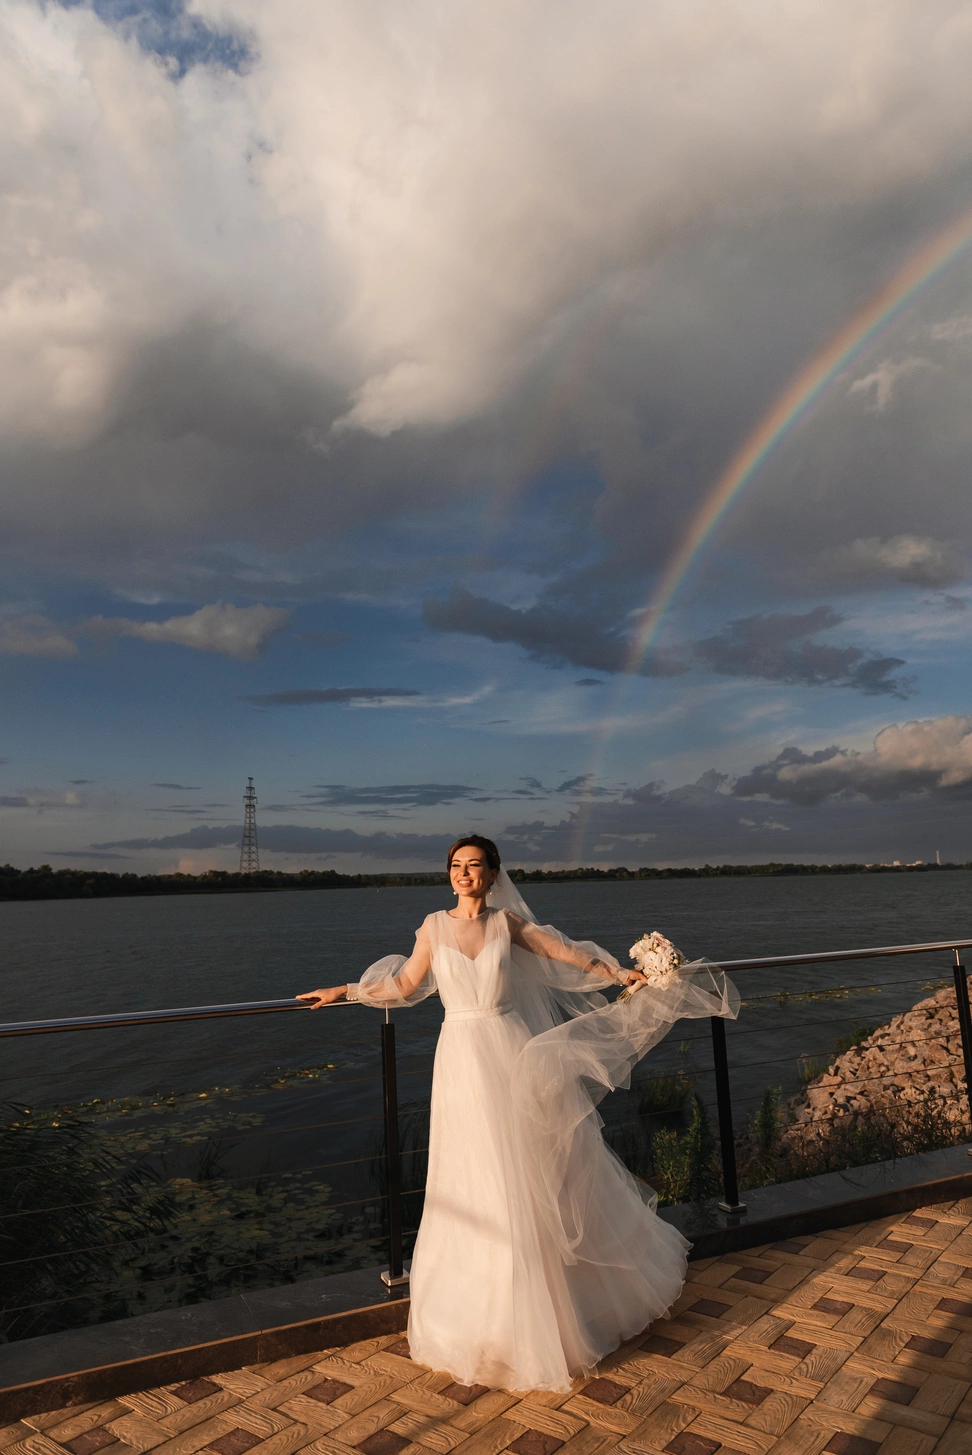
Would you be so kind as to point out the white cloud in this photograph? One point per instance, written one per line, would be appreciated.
(916, 560)
(396, 201)
(236, 631)
(34, 636)
(884, 379)
(931, 755)
(950, 330)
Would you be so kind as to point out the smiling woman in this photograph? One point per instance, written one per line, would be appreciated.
(538, 1252)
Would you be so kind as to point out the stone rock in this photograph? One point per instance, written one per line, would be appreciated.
(916, 1055)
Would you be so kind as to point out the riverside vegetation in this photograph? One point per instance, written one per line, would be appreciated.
(43, 882)
(124, 1206)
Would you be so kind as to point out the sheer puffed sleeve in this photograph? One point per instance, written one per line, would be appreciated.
(550, 944)
(396, 981)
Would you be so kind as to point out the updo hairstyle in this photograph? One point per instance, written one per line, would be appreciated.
(488, 849)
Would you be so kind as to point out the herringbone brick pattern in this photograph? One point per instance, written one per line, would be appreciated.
(851, 1342)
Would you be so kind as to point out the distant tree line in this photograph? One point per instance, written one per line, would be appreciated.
(44, 882)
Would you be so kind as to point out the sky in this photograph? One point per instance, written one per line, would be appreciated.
(368, 378)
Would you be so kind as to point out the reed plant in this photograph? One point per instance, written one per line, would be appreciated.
(685, 1167)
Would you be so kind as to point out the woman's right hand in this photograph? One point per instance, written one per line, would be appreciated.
(317, 998)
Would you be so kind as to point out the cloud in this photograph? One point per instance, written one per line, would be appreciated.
(584, 786)
(780, 648)
(232, 317)
(549, 634)
(41, 799)
(424, 259)
(883, 380)
(300, 839)
(179, 787)
(235, 631)
(842, 804)
(34, 636)
(933, 755)
(309, 696)
(589, 682)
(915, 560)
(394, 795)
(950, 330)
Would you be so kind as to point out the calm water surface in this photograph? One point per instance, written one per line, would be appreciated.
(76, 957)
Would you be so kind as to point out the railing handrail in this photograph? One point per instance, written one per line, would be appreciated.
(266, 1007)
(153, 1017)
(820, 956)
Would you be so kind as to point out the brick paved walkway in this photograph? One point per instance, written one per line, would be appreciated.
(850, 1342)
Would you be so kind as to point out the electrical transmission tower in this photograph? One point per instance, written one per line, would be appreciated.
(249, 848)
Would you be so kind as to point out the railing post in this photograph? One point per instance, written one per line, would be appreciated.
(394, 1275)
(720, 1062)
(965, 1024)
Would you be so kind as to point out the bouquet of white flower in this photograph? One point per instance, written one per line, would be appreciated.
(657, 959)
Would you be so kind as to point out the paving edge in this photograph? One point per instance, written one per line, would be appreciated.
(195, 1361)
(85, 1386)
(738, 1233)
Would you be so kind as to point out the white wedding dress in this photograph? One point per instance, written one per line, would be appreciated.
(538, 1252)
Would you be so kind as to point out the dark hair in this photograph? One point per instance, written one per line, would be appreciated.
(476, 841)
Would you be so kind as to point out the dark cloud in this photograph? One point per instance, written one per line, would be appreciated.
(393, 795)
(584, 786)
(300, 839)
(202, 811)
(308, 696)
(80, 782)
(175, 787)
(955, 603)
(780, 647)
(589, 682)
(549, 634)
(14, 801)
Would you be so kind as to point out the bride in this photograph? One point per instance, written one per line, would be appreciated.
(538, 1253)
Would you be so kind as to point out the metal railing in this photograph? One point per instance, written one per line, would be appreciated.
(731, 1203)
(395, 1276)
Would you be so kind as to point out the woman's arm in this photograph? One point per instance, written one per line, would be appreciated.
(531, 937)
(391, 991)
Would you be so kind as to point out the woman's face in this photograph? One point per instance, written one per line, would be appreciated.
(469, 872)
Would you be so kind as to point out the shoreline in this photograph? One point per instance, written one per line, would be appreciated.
(46, 883)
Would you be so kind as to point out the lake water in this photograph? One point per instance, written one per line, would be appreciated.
(298, 1094)
(79, 957)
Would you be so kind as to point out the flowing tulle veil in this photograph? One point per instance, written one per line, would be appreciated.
(505, 895)
(582, 1048)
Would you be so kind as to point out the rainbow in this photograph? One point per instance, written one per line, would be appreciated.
(788, 411)
(792, 406)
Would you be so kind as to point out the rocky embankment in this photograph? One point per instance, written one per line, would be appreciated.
(915, 1058)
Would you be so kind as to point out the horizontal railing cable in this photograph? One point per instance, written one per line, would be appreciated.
(147, 1239)
(229, 1268)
